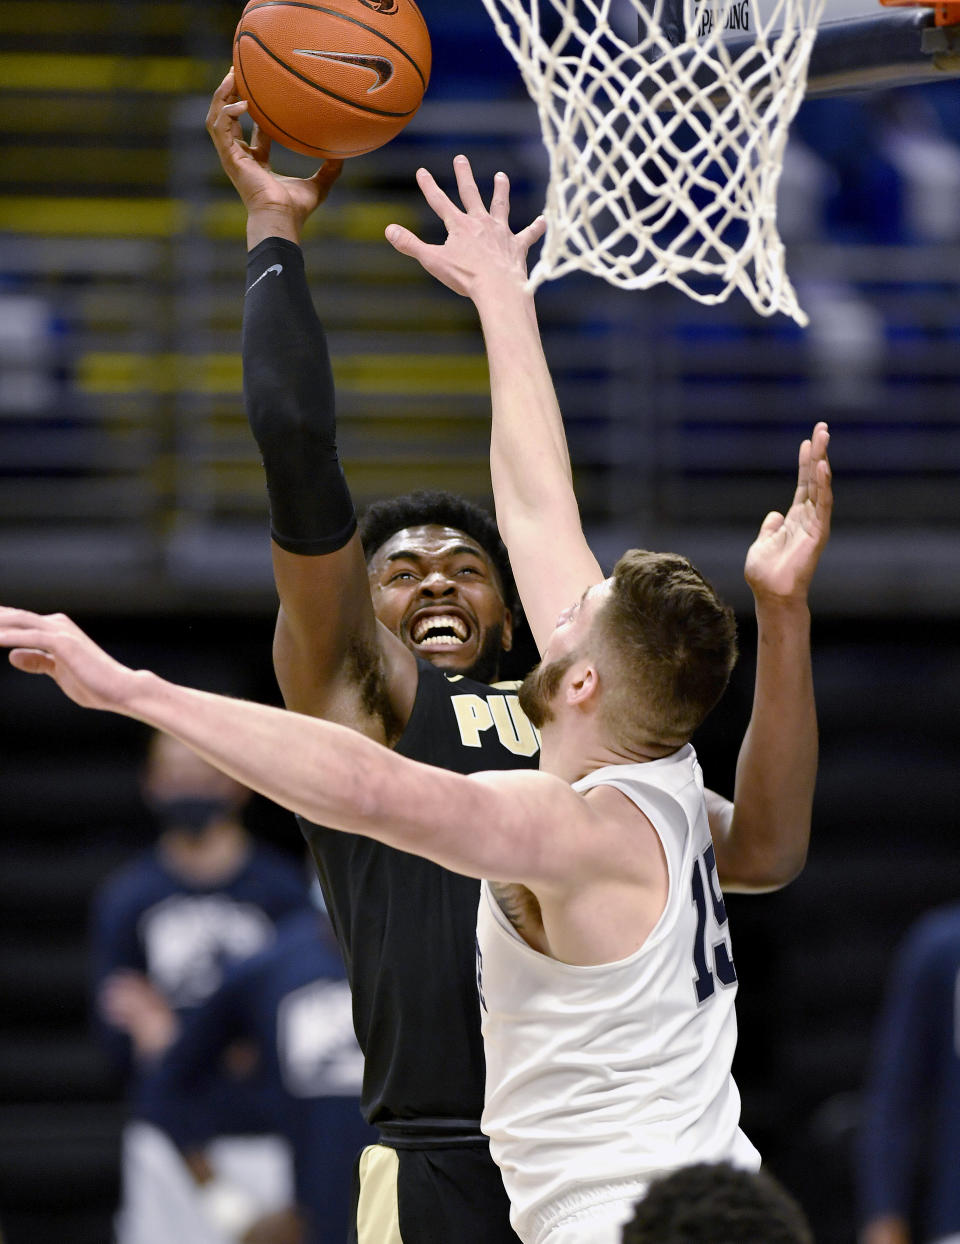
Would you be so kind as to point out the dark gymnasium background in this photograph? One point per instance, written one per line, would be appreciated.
(131, 497)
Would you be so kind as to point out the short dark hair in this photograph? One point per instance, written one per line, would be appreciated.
(715, 1203)
(673, 644)
(384, 519)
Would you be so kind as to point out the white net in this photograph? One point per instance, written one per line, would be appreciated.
(665, 147)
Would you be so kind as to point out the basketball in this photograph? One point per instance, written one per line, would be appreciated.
(336, 79)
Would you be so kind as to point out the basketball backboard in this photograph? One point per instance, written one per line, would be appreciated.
(860, 44)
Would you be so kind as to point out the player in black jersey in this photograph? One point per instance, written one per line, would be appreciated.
(440, 583)
(440, 602)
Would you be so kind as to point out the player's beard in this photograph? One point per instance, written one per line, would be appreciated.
(538, 689)
(486, 668)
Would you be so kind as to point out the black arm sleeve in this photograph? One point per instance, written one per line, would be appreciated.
(289, 397)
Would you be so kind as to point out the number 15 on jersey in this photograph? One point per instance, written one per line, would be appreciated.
(712, 959)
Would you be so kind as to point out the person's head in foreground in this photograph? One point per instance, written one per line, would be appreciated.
(656, 644)
(717, 1204)
(441, 580)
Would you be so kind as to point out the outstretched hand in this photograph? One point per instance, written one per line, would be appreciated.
(480, 251)
(781, 561)
(52, 644)
(247, 164)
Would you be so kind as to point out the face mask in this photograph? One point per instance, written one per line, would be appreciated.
(190, 813)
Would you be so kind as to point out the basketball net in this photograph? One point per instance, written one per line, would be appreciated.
(665, 153)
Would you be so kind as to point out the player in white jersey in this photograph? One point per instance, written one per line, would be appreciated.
(636, 1051)
(538, 1005)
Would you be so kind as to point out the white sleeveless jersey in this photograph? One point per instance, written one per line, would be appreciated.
(607, 1074)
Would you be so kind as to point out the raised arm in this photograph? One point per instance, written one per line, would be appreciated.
(331, 656)
(761, 841)
(762, 837)
(537, 510)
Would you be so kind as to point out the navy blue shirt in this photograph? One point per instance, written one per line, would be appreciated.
(911, 1125)
(293, 1001)
(182, 936)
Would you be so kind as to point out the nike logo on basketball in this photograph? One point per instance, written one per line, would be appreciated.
(378, 65)
(274, 267)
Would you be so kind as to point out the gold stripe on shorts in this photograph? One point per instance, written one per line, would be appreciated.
(378, 1214)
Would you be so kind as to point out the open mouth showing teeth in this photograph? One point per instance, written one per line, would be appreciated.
(439, 631)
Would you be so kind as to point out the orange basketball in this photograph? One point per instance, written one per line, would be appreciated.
(335, 79)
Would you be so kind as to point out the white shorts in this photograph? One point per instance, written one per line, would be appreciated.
(161, 1201)
(589, 1215)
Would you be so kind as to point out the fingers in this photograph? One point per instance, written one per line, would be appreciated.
(812, 451)
(30, 661)
(225, 129)
(467, 186)
(34, 638)
(19, 628)
(329, 172)
(818, 491)
(259, 145)
(824, 497)
(226, 93)
(326, 175)
(225, 96)
(407, 243)
(433, 259)
(533, 232)
(11, 617)
(436, 198)
(500, 199)
(803, 474)
(772, 523)
(31, 638)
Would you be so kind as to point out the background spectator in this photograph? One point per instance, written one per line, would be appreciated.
(910, 1137)
(164, 929)
(293, 1002)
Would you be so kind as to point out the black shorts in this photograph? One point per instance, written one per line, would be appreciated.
(430, 1194)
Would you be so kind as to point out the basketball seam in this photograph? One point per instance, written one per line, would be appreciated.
(312, 148)
(319, 8)
(377, 112)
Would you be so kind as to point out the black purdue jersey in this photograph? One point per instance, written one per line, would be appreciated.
(407, 927)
